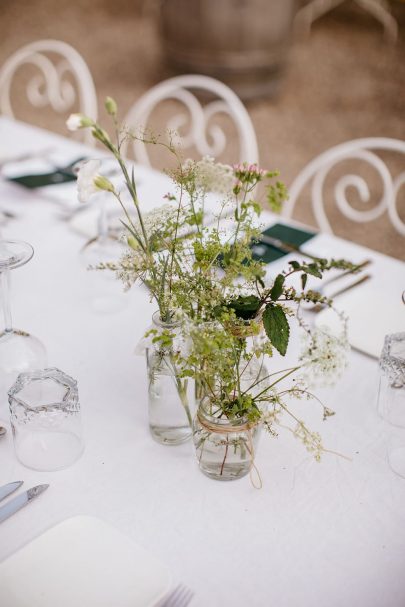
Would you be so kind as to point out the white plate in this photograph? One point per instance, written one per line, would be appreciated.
(372, 314)
(82, 562)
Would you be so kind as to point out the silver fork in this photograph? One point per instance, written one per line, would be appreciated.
(179, 597)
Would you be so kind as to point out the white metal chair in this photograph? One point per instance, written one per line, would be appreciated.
(379, 9)
(317, 170)
(63, 80)
(206, 136)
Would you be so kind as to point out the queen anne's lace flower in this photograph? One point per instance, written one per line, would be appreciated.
(130, 265)
(324, 357)
(212, 176)
(158, 219)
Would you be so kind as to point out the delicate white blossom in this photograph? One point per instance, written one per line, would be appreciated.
(212, 176)
(88, 172)
(130, 265)
(158, 220)
(324, 357)
(77, 121)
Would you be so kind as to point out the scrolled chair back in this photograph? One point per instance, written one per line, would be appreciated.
(61, 80)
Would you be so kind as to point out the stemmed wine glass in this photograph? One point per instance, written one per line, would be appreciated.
(106, 292)
(19, 351)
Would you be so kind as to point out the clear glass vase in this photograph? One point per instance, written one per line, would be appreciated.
(225, 448)
(171, 397)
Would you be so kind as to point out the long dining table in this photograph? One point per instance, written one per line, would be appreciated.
(317, 534)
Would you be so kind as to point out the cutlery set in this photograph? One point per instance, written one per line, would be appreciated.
(287, 247)
(18, 502)
(333, 293)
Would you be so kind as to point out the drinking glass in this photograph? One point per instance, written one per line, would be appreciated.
(106, 292)
(391, 399)
(45, 418)
(19, 351)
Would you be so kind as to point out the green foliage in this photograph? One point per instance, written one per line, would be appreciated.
(245, 306)
(277, 288)
(276, 326)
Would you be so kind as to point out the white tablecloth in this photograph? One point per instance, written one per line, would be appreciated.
(328, 534)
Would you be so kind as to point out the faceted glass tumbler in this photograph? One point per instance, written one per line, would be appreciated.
(391, 399)
(45, 419)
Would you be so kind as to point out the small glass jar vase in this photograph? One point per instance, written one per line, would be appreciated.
(171, 397)
(225, 448)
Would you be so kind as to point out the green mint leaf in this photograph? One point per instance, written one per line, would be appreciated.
(277, 288)
(245, 307)
(313, 269)
(276, 326)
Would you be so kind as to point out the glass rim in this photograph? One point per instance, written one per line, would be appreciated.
(161, 323)
(17, 258)
(220, 422)
(69, 400)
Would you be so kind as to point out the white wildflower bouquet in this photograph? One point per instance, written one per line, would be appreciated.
(205, 274)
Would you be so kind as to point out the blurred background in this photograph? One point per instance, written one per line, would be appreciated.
(307, 87)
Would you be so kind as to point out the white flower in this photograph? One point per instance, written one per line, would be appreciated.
(212, 176)
(324, 357)
(157, 221)
(130, 267)
(88, 172)
(76, 121)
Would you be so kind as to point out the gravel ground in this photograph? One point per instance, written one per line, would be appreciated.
(342, 83)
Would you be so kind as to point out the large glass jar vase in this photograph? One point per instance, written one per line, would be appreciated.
(225, 448)
(171, 397)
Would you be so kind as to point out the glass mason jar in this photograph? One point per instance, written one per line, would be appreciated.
(171, 398)
(225, 448)
(253, 373)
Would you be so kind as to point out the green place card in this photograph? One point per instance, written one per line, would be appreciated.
(44, 179)
(39, 180)
(294, 236)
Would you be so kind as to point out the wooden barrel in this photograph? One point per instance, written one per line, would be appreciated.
(244, 43)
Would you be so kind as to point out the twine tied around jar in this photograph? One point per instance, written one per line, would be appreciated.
(257, 482)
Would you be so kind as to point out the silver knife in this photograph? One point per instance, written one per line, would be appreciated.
(20, 501)
(6, 490)
(285, 247)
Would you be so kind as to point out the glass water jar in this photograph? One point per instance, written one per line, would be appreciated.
(225, 448)
(391, 399)
(171, 397)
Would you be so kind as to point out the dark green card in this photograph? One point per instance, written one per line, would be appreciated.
(44, 179)
(294, 236)
(39, 180)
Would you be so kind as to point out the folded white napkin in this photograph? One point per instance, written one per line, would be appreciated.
(83, 561)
